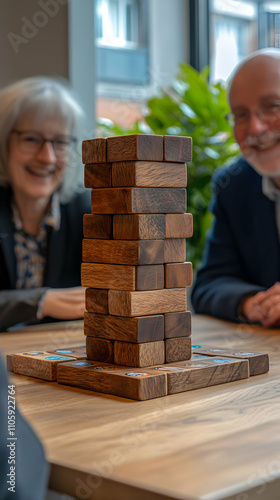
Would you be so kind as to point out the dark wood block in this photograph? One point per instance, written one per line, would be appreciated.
(98, 226)
(179, 225)
(94, 151)
(175, 250)
(139, 355)
(9, 362)
(98, 175)
(139, 227)
(78, 352)
(140, 384)
(177, 349)
(177, 148)
(137, 330)
(100, 349)
(258, 361)
(177, 324)
(149, 174)
(178, 275)
(97, 300)
(149, 277)
(125, 252)
(138, 200)
(124, 303)
(196, 374)
(135, 147)
(37, 364)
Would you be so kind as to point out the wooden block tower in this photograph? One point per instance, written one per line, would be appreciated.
(134, 250)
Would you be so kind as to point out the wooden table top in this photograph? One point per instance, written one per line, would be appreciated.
(222, 442)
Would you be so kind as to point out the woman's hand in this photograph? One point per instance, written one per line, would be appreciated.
(65, 303)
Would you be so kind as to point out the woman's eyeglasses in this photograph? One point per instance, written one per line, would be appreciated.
(32, 142)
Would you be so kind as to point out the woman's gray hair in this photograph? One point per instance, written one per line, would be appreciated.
(41, 97)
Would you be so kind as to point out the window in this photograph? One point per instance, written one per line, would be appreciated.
(117, 23)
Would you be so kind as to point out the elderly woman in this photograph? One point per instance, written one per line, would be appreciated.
(40, 213)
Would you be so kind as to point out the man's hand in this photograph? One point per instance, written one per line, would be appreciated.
(264, 307)
(65, 303)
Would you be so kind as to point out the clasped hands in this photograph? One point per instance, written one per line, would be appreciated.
(264, 307)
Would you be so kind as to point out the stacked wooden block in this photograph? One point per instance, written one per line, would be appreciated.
(134, 250)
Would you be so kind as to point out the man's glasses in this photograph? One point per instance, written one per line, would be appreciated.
(32, 142)
(267, 113)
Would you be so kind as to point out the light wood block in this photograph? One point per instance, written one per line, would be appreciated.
(179, 225)
(9, 362)
(94, 151)
(97, 226)
(177, 349)
(177, 324)
(175, 250)
(177, 148)
(139, 227)
(135, 147)
(37, 364)
(98, 175)
(125, 252)
(78, 352)
(138, 200)
(100, 349)
(138, 329)
(139, 355)
(178, 275)
(140, 384)
(97, 300)
(114, 277)
(149, 174)
(258, 362)
(196, 374)
(124, 303)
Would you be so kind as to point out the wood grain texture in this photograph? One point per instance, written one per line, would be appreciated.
(177, 148)
(124, 303)
(139, 227)
(177, 349)
(97, 226)
(178, 275)
(149, 277)
(258, 362)
(97, 300)
(177, 324)
(125, 252)
(94, 151)
(149, 174)
(137, 384)
(138, 200)
(175, 250)
(98, 175)
(36, 364)
(100, 349)
(9, 362)
(179, 225)
(139, 355)
(135, 147)
(77, 352)
(107, 276)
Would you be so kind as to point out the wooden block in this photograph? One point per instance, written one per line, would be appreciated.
(196, 374)
(97, 226)
(139, 355)
(135, 147)
(175, 250)
(140, 384)
(139, 227)
(124, 303)
(177, 349)
(100, 349)
(149, 277)
(179, 225)
(37, 364)
(72, 352)
(138, 329)
(177, 148)
(178, 275)
(258, 362)
(149, 174)
(177, 324)
(97, 300)
(125, 252)
(116, 277)
(98, 175)
(9, 362)
(94, 151)
(138, 200)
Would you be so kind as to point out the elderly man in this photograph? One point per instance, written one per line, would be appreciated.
(239, 279)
